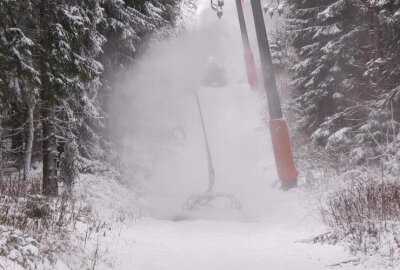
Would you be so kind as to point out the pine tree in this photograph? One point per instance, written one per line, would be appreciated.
(323, 38)
(388, 16)
(70, 76)
(346, 72)
(56, 55)
(19, 78)
(379, 131)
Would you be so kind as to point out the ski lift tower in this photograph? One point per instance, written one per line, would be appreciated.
(278, 127)
(248, 55)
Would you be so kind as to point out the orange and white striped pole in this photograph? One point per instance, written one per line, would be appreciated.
(278, 128)
(252, 77)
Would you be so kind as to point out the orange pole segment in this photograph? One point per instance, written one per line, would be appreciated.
(252, 77)
(282, 150)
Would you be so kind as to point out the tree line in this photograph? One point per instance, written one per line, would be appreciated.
(344, 66)
(58, 59)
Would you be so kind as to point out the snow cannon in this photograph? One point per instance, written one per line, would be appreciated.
(209, 198)
(215, 74)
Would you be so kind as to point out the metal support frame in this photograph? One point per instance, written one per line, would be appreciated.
(278, 128)
(248, 55)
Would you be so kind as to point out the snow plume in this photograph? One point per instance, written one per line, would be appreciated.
(157, 122)
(155, 113)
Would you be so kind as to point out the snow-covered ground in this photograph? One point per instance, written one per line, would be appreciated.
(205, 244)
(265, 234)
(163, 149)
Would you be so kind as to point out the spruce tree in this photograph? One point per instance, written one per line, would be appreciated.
(322, 36)
(19, 78)
(55, 56)
(347, 72)
(70, 78)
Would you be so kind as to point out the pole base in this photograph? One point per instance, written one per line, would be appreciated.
(252, 77)
(282, 150)
(288, 184)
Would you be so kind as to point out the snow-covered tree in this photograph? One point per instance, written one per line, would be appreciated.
(347, 71)
(19, 78)
(55, 56)
(69, 77)
(322, 36)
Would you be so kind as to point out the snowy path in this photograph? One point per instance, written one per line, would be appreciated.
(163, 129)
(201, 245)
(263, 235)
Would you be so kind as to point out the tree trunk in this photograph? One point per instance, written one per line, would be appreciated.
(377, 43)
(17, 139)
(377, 35)
(48, 117)
(374, 30)
(1, 151)
(371, 31)
(29, 142)
(50, 186)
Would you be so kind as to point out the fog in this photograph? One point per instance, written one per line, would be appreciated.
(161, 141)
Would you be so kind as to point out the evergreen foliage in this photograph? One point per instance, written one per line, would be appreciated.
(346, 79)
(57, 59)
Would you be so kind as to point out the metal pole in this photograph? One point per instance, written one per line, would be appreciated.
(278, 128)
(274, 104)
(211, 174)
(242, 23)
(248, 55)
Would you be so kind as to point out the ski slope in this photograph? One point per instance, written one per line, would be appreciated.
(164, 145)
(219, 245)
(265, 234)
